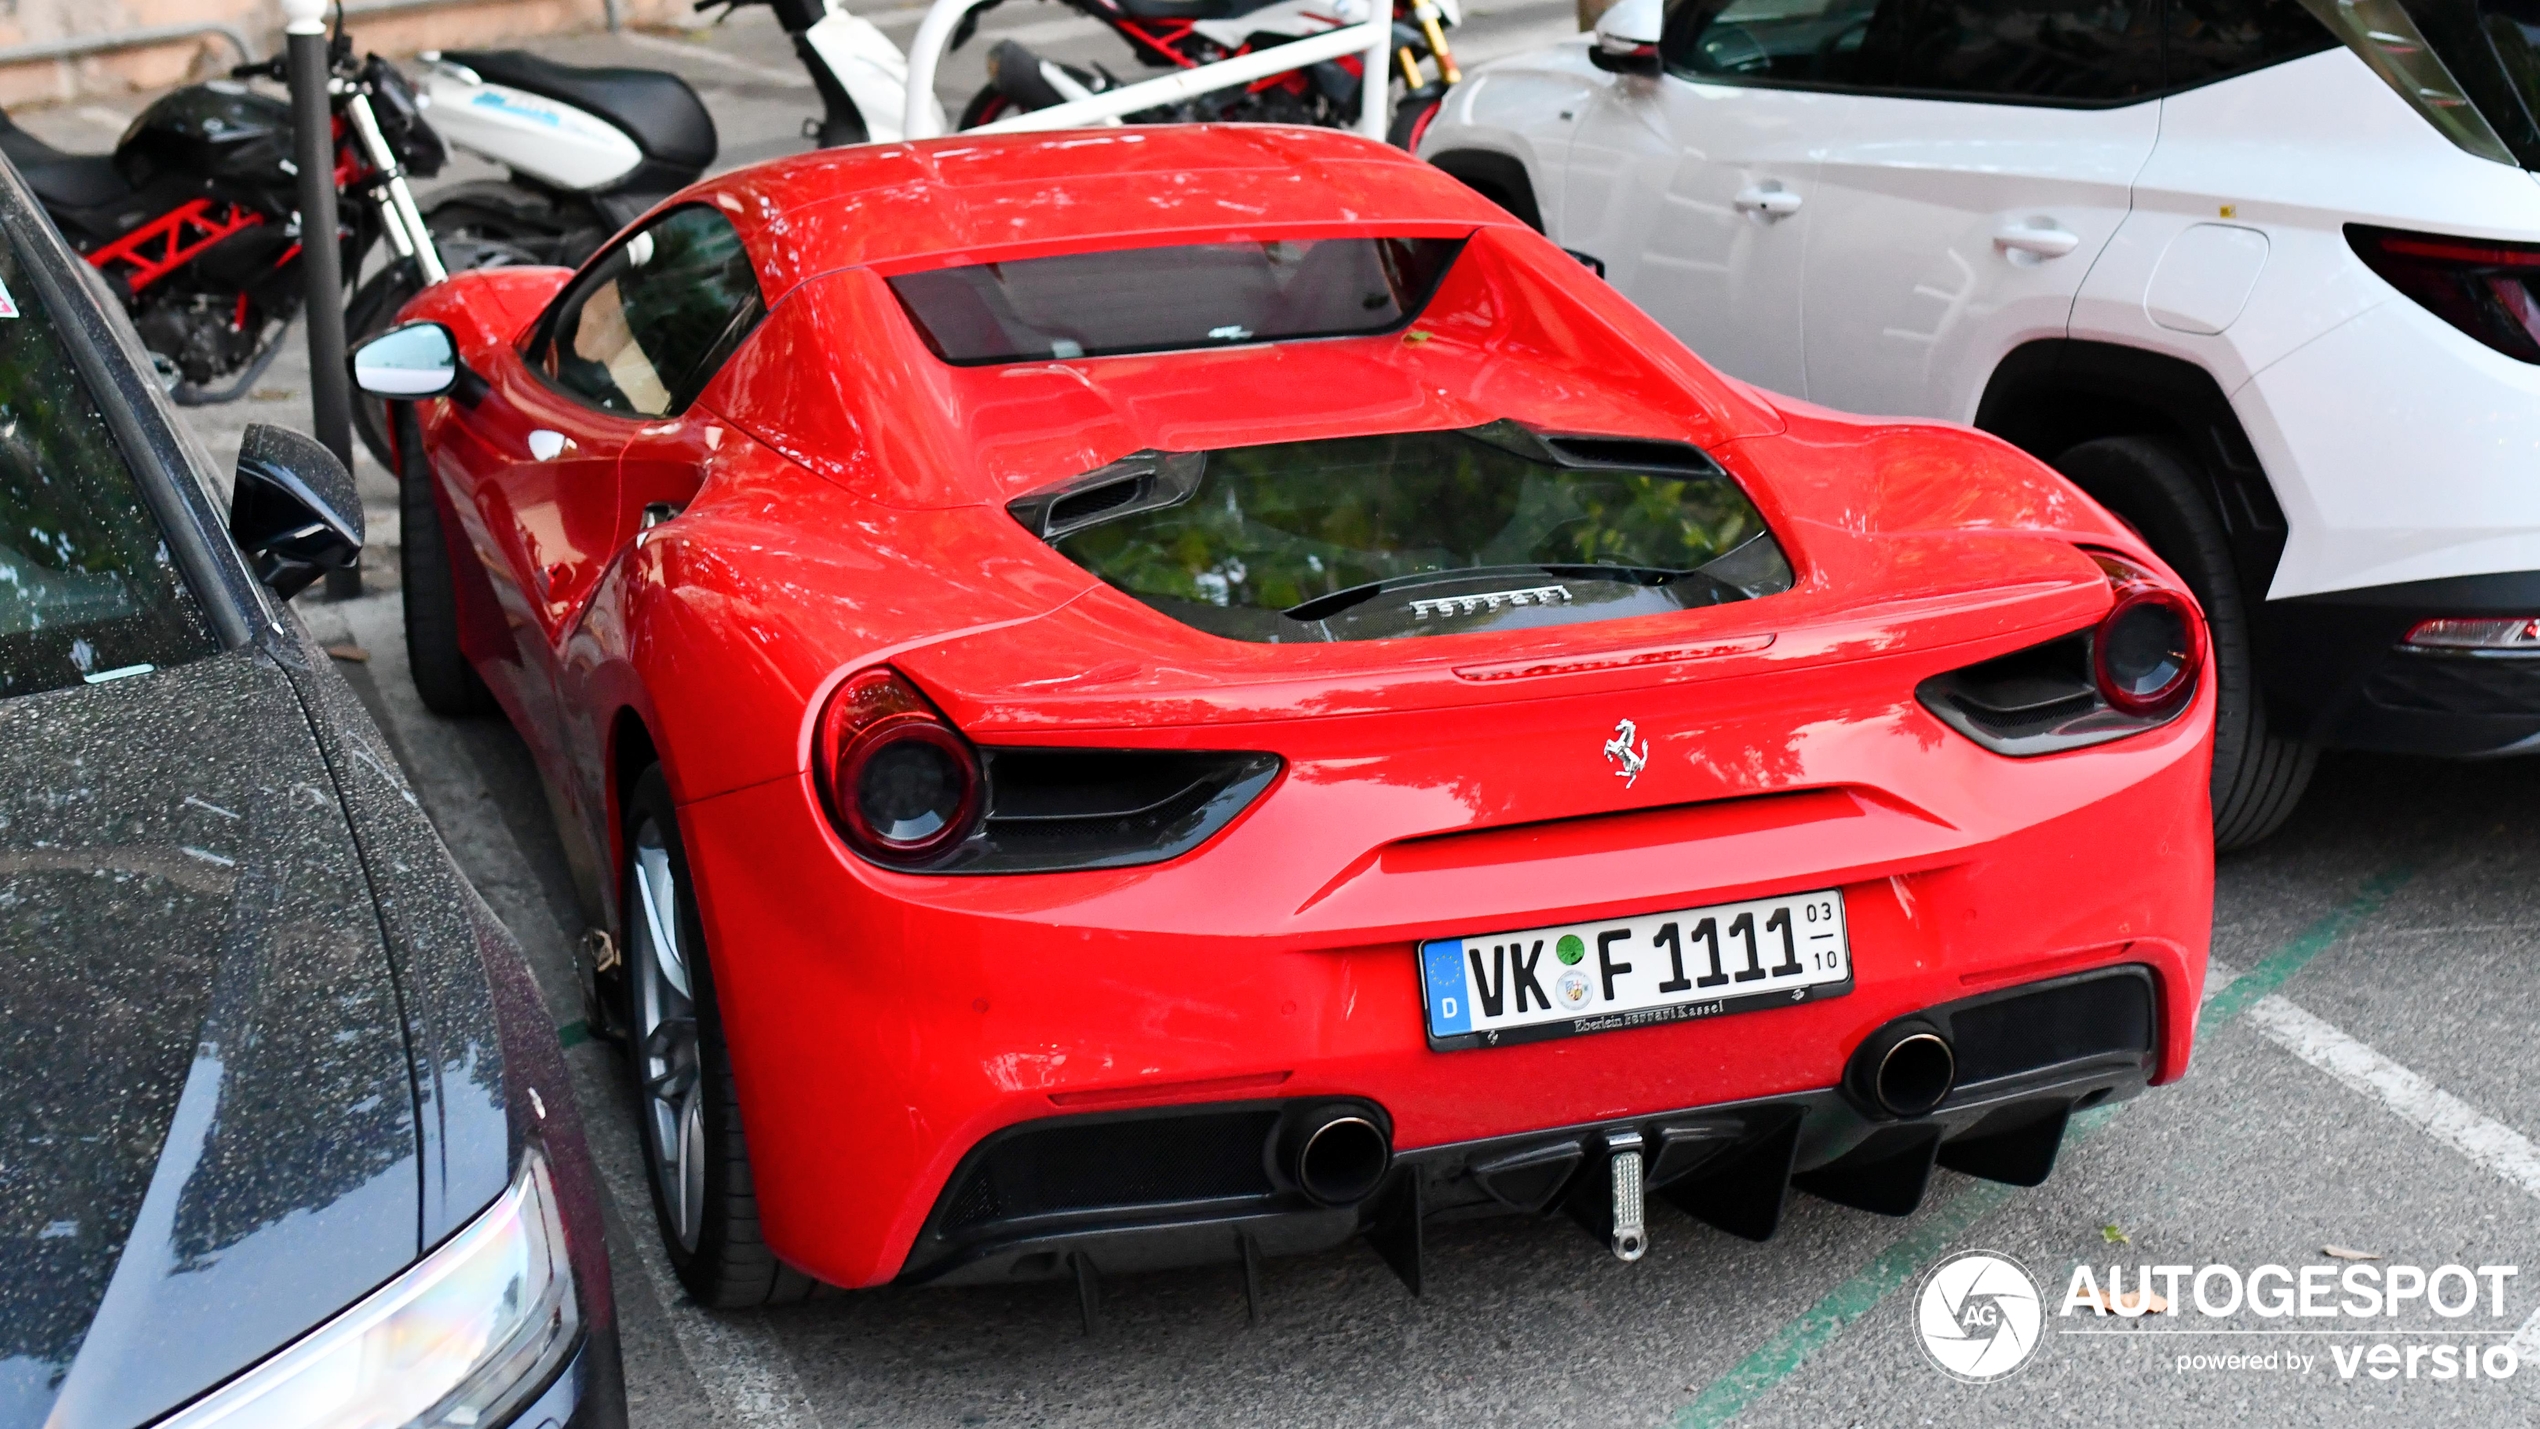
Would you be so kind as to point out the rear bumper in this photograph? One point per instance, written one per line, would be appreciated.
(883, 1027)
(2337, 672)
(1124, 1192)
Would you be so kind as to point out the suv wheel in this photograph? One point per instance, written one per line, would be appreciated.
(2259, 775)
(690, 1119)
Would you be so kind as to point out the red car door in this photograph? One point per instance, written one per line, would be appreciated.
(608, 370)
(546, 499)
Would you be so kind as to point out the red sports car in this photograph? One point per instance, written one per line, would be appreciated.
(1162, 695)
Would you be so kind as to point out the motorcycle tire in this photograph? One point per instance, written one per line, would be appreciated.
(987, 106)
(532, 225)
(1412, 115)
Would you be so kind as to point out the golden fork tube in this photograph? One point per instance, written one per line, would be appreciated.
(1410, 66)
(1429, 26)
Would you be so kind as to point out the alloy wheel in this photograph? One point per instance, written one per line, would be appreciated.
(665, 1043)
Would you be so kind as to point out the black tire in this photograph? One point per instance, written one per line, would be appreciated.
(988, 104)
(2259, 775)
(1411, 117)
(448, 684)
(532, 226)
(679, 1065)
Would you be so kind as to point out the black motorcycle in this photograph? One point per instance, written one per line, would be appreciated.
(193, 220)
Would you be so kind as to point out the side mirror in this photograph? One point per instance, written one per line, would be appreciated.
(294, 510)
(1627, 38)
(408, 364)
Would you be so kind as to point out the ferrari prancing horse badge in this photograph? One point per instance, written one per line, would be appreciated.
(1620, 750)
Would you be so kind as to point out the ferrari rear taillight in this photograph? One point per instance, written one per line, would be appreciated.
(2136, 669)
(901, 784)
(2145, 653)
(906, 790)
(2487, 288)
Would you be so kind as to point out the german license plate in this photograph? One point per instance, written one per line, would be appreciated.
(1499, 988)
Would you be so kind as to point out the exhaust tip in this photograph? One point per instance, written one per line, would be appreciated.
(1915, 1073)
(1337, 1158)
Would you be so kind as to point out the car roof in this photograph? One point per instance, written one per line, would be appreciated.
(963, 197)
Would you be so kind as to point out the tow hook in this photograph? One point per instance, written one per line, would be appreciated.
(1631, 1237)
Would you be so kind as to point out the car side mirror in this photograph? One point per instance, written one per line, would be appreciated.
(408, 363)
(1627, 38)
(294, 510)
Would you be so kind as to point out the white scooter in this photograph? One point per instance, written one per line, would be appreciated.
(588, 149)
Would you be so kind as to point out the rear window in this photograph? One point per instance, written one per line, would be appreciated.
(1165, 299)
(1414, 533)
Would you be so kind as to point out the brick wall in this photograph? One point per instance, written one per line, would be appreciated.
(433, 24)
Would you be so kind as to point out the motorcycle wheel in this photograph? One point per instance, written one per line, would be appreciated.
(1412, 115)
(987, 106)
(377, 302)
(533, 226)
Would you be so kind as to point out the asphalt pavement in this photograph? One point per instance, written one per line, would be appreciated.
(2364, 1079)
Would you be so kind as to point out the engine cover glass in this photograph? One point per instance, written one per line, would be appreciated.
(1414, 533)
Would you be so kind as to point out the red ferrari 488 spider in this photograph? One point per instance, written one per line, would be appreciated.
(1163, 695)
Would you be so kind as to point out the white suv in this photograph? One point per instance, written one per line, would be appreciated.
(2261, 275)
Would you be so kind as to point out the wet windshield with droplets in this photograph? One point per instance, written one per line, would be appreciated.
(88, 589)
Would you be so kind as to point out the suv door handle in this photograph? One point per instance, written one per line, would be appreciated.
(1769, 199)
(2050, 241)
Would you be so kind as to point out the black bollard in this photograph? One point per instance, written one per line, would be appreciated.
(321, 255)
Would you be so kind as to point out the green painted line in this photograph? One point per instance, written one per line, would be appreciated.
(1791, 1345)
(574, 1033)
(1900, 1264)
(2278, 967)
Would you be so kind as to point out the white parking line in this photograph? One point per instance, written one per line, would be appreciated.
(2420, 1103)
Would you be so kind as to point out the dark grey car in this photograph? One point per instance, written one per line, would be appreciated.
(285, 1132)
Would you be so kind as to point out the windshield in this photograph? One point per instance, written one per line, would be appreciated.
(1415, 533)
(88, 590)
(1165, 299)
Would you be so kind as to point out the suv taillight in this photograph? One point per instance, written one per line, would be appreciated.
(2482, 286)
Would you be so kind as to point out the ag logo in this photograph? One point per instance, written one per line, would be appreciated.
(1979, 1316)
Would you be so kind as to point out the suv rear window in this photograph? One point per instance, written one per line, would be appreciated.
(1414, 533)
(1165, 299)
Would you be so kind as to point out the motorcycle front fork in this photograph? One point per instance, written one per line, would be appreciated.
(1428, 18)
(399, 217)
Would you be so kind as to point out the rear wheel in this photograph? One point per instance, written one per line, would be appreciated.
(2259, 775)
(703, 1198)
